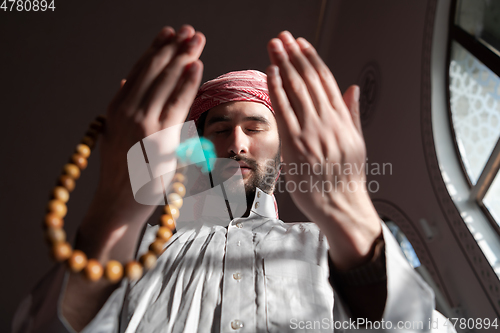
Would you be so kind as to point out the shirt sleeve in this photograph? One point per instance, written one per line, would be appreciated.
(40, 311)
(409, 300)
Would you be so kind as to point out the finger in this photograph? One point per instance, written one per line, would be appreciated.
(163, 37)
(307, 72)
(122, 83)
(293, 85)
(155, 64)
(183, 95)
(166, 81)
(327, 79)
(288, 125)
(351, 99)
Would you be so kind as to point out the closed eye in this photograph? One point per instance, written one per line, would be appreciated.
(226, 131)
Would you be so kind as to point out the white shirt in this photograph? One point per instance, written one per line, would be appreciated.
(258, 275)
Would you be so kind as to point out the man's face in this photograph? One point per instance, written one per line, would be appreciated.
(246, 132)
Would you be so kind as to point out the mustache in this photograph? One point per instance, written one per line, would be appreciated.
(250, 162)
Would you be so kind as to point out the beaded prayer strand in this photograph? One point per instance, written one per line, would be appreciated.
(77, 260)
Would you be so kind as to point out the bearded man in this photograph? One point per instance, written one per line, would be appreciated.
(255, 273)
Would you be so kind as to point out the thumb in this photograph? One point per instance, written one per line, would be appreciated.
(351, 99)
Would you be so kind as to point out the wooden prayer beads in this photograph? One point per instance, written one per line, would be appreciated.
(114, 271)
(93, 270)
(76, 260)
(148, 260)
(67, 182)
(133, 270)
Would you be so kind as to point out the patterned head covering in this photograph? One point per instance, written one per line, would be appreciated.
(248, 85)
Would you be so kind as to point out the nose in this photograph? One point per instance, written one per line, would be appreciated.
(238, 142)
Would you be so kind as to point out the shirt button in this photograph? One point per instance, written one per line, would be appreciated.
(258, 194)
(237, 276)
(238, 225)
(257, 204)
(236, 324)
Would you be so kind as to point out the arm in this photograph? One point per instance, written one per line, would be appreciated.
(363, 290)
(319, 126)
(409, 300)
(156, 95)
(40, 311)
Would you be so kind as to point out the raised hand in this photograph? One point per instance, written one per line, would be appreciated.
(157, 94)
(318, 128)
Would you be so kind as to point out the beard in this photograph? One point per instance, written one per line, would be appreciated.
(263, 175)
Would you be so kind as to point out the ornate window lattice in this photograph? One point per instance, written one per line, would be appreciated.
(475, 108)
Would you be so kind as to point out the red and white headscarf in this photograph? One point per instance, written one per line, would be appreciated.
(238, 86)
(248, 85)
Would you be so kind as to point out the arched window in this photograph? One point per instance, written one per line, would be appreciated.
(474, 115)
(475, 98)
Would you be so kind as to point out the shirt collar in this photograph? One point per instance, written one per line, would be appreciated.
(264, 205)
